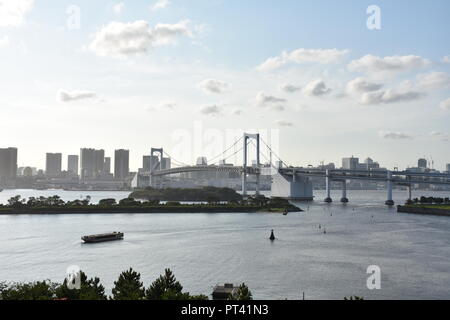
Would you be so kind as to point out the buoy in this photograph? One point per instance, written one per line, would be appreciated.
(272, 236)
(320, 226)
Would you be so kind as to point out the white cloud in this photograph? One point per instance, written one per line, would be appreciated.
(284, 123)
(362, 85)
(440, 136)
(263, 100)
(213, 86)
(4, 41)
(211, 110)
(446, 59)
(290, 88)
(395, 135)
(434, 80)
(118, 8)
(392, 64)
(445, 104)
(300, 56)
(119, 39)
(237, 112)
(390, 96)
(160, 4)
(12, 12)
(317, 88)
(66, 96)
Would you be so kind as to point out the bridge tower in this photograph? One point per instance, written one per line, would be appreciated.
(247, 137)
(154, 167)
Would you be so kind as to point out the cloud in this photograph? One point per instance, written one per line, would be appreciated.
(237, 112)
(361, 85)
(119, 39)
(4, 41)
(317, 88)
(12, 12)
(392, 64)
(395, 135)
(390, 96)
(263, 100)
(284, 123)
(445, 104)
(118, 8)
(440, 136)
(433, 80)
(160, 4)
(211, 110)
(300, 56)
(290, 88)
(213, 86)
(446, 59)
(65, 96)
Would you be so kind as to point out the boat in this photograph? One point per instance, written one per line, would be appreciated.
(272, 236)
(103, 237)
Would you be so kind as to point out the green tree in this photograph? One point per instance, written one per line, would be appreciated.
(91, 289)
(107, 202)
(40, 290)
(353, 298)
(242, 293)
(128, 286)
(166, 287)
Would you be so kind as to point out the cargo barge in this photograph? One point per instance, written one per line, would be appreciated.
(103, 237)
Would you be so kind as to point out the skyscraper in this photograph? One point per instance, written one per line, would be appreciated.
(53, 164)
(92, 163)
(72, 164)
(121, 164)
(107, 166)
(8, 164)
(448, 167)
(422, 163)
(350, 163)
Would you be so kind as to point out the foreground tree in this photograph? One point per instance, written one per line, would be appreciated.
(40, 290)
(166, 287)
(91, 289)
(243, 293)
(128, 286)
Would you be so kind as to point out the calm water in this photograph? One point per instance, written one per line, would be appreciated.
(205, 249)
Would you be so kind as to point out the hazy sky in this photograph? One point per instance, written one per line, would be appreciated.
(188, 75)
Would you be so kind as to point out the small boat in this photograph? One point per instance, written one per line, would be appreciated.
(103, 237)
(285, 213)
(272, 236)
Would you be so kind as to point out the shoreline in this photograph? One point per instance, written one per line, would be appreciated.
(142, 210)
(424, 210)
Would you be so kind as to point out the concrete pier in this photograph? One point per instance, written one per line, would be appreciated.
(328, 187)
(344, 198)
(389, 201)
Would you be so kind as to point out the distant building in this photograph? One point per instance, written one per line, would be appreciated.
(448, 167)
(369, 164)
(350, 163)
(107, 166)
(121, 164)
(422, 163)
(8, 164)
(72, 164)
(92, 162)
(224, 292)
(53, 164)
(166, 164)
(202, 161)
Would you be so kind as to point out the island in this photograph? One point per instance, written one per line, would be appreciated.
(427, 206)
(55, 205)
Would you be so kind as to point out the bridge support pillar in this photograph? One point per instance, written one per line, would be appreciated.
(344, 198)
(389, 201)
(410, 192)
(328, 187)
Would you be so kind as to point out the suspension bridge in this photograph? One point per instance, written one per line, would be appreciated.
(294, 183)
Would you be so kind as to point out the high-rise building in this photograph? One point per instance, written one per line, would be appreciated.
(8, 164)
(166, 164)
(72, 164)
(107, 166)
(121, 164)
(448, 167)
(422, 163)
(350, 163)
(92, 163)
(53, 164)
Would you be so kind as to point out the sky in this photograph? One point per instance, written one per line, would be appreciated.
(319, 80)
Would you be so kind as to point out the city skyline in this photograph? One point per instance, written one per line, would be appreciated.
(331, 88)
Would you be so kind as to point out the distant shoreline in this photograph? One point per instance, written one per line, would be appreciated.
(435, 210)
(143, 210)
